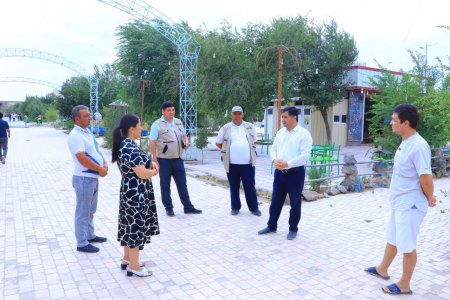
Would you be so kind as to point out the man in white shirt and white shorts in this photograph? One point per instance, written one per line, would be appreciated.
(411, 193)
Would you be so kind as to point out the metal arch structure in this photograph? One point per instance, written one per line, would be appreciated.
(188, 50)
(30, 80)
(31, 53)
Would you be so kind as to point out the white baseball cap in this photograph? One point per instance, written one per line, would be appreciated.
(237, 108)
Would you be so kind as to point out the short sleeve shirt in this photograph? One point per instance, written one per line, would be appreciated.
(82, 140)
(239, 146)
(412, 159)
(154, 129)
(3, 127)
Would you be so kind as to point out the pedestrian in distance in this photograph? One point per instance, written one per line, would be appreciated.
(25, 120)
(411, 193)
(290, 153)
(236, 140)
(168, 140)
(5, 134)
(89, 166)
(138, 220)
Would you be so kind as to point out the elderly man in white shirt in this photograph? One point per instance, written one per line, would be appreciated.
(236, 140)
(290, 153)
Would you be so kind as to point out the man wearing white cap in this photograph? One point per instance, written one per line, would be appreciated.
(236, 140)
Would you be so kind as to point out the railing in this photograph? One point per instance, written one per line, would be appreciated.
(342, 164)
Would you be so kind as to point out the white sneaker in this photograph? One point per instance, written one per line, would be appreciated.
(3, 160)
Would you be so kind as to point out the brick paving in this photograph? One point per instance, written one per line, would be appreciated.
(209, 256)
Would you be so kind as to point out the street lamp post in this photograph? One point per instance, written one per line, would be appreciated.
(144, 82)
(426, 56)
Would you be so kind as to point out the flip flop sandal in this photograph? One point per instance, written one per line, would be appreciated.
(373, 271)
(393, 289)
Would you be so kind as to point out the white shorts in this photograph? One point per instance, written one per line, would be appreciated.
(403, 229)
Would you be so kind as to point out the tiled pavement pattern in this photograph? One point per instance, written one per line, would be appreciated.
(209, 256)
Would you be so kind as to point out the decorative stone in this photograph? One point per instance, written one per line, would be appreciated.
(380, 181)
(440, 162)
(342, 189)
(334, 191)
(349, 159)
(351, 171)
(311, 195)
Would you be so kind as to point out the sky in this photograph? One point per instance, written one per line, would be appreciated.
(83, 31)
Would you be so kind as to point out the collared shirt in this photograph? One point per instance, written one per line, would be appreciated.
(292, 146)
(239, 146)
(154, 129)
(412, 159)
(82, 140)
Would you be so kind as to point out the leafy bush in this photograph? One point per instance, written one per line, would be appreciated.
(315, 173)
(51, 114)
(201, 141)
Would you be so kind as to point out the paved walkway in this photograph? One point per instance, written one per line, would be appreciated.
(209, 256)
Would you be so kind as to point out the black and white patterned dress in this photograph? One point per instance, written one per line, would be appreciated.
(138, 219)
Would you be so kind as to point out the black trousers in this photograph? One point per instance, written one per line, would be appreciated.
(283, 184)
(246, 174)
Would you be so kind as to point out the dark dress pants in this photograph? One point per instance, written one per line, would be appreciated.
(246, 173)
(287, 183)
(167, 169)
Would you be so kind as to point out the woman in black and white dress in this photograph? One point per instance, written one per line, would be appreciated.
(138, 219)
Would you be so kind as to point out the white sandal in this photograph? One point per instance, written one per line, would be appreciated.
(125, 264)
(143, 273)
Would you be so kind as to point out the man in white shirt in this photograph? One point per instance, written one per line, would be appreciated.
(89, 165)
(411, 192)
(236, 140)
(290, 153)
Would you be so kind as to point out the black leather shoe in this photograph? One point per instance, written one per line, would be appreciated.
(234, 212)
(88, 249)
(257, 212)
(192, 210)
(169, 212)
(98, 239)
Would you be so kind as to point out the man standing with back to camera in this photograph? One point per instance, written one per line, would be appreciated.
(290, 153)
(5, 134)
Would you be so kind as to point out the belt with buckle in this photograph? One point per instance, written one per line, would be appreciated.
(290, 170)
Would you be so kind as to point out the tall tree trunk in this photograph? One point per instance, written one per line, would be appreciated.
(324, 114)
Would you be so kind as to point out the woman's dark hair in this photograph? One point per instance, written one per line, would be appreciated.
(121, 132)
(407, 112)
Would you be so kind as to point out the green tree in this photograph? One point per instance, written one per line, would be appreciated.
(414, 88)
(145, 54)
(228, 74)
(75, 91)
(326, 54)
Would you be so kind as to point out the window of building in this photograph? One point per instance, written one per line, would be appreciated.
(340, 119)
